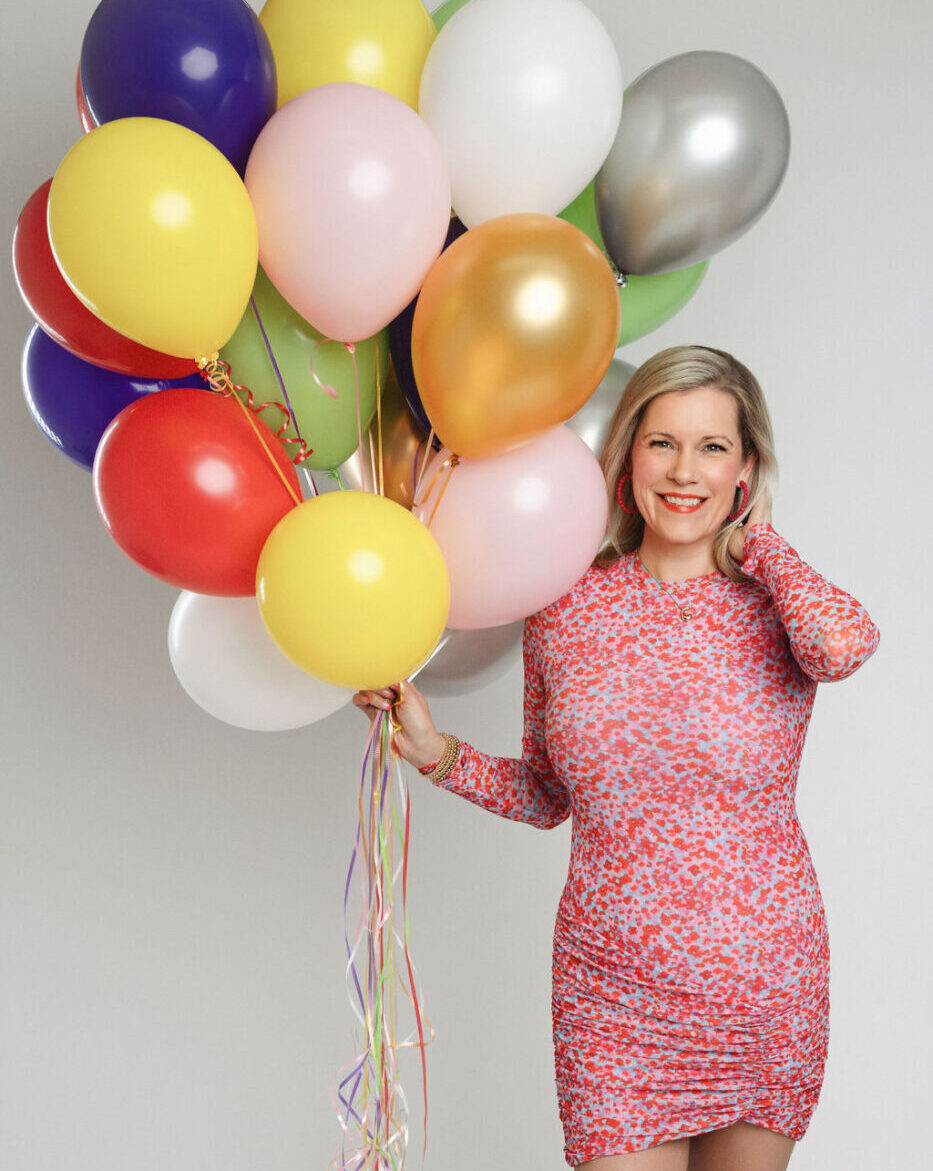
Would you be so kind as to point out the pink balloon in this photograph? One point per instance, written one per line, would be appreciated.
(352, 203)
(517, 530)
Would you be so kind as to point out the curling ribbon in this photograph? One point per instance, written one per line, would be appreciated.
(350, 347)
(217, 373)
(376, 1126)
(288, 401)
(449, 463)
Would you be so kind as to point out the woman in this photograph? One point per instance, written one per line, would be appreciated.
(666, 700)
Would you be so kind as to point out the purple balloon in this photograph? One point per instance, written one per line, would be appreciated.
(72, 401)
(400, 347)
(206, 64)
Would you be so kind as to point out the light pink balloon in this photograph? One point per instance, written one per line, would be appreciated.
(352, 202)
(517, 530)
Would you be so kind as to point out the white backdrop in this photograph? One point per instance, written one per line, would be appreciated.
(172, 951)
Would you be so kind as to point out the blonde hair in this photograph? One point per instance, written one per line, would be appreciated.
(686, 368)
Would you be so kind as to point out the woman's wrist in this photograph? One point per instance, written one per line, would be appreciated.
(433, 751)
(439, 769)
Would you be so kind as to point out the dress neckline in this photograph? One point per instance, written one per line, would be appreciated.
(638, 568)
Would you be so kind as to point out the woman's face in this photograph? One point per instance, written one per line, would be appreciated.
(686, 463)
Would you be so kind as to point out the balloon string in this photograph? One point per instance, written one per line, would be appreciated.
(351, 350)
(217, 373)
(326, 387)
(281, 381)
(427, 450)
(450, 463)
(379, 423)
(376, 1126)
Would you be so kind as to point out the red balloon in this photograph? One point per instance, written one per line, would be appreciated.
(188, 490)
(87, 122)
(63, 317)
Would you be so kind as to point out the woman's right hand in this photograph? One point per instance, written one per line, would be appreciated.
(417, 741)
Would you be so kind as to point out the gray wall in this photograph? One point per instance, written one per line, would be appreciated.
(172, 981)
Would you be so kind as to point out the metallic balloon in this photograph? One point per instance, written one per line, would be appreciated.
(466, 660)
(516, 323)
(702, 148)
(402, 444)
(592, 420)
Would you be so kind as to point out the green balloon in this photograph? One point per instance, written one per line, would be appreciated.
(445, 12)
(647, 301)
(328, 424)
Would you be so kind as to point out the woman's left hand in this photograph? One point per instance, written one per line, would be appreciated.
(760, 514)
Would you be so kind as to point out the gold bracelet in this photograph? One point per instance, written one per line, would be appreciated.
(448, 760)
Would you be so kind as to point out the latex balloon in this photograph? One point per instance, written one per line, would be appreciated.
(73, 402)
(353, 589)
(516, 530)
(403, 451)
(326, 419)
(382, 43)
(533, 131)
(592, 420)
(646, 301)
(516, 324)
(63, 317)
(441, 15)
(205, 64)
(226, 661)
(189, 490)
(87, 120)
(154, 231)
(400, 343)
(373, 211)
(701, 150)
(467, 660)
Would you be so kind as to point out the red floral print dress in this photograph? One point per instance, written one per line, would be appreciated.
(690, 976)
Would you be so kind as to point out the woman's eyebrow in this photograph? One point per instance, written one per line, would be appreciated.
(668, 435)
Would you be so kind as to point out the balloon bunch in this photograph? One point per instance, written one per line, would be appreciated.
(416, 243)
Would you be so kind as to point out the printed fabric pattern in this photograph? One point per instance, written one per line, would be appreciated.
(690, 972)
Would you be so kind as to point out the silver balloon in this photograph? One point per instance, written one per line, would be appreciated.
(466, 660)
(592, 420)
(701, 150)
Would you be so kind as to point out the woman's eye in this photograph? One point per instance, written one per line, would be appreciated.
(654, 442)
(718, 446)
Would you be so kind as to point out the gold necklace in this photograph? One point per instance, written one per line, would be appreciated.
(684, 611)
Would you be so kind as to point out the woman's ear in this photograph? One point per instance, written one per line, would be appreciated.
(748, 465)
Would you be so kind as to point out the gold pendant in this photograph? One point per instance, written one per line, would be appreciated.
(686, 613)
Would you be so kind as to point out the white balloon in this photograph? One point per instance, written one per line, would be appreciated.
(524, 97)
(228, 664)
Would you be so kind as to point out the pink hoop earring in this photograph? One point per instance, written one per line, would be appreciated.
(624, 507)
(736, 515)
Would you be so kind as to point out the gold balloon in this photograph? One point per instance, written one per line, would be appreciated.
(516, 324)
(402, 443)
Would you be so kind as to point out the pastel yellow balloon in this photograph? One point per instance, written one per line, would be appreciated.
(377, 42)
(154, 231)
(353, 589)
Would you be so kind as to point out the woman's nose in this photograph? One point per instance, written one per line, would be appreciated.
(681, 470)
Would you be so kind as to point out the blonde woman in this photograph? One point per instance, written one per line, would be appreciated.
(666, 699)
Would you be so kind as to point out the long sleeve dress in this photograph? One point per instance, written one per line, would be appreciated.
(690, 974)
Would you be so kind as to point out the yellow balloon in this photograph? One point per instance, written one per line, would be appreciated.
(377, 42)
(353, 589)
(154, 231)
(516, 324)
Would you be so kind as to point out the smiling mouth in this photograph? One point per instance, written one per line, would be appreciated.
(678, 503)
